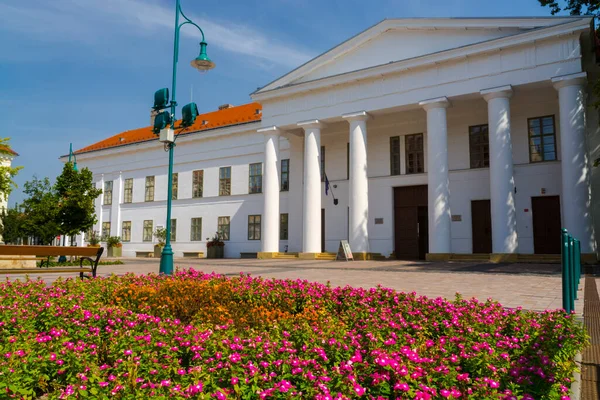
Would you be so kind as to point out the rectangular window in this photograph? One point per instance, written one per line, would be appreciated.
(197, 183)
(196, 231)
(105, 230)
(149, 196)
(224, 181)
(283, 227)
(395, 155)
(126, 231)
(253, 227)
(255, 182)
(175, 186)
(479, 146)
(128, 191)
(173, 230)
(322, 163)
(414, 154)
(285, 175)
(223, 228)
(108, 189)
(542, 139)
(147, 234)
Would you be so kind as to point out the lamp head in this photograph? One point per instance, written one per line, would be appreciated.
(202, 63)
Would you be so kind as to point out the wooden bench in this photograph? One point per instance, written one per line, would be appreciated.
(144, 254)
(90, 255)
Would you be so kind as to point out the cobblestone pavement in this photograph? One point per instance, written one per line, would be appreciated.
(531, 286)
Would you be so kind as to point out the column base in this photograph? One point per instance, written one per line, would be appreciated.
(266, 255)
(438, 256)
(308, 256)
(364, 256)
(504, 258)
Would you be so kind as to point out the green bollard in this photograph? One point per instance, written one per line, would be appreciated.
(566, 286)
(574, 284)
(578, 259)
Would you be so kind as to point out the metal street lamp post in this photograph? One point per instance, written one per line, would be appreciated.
(202, 63)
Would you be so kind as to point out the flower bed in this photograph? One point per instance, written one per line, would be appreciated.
(205, 336)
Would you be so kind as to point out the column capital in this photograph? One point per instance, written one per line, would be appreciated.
(357, 116)
(438, 102)
(311, 123)
(270, 130)
(577, 79)
(505, 91)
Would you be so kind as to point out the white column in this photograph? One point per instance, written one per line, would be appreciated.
(270, 217)
(311, 233)
(437, 175)
(115, 210)
(575, 168)
(296, 193)
(359, 182)
(99, 204)
(502, 182)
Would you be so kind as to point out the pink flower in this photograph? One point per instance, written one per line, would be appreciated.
(359, 390)
(402, 386)
(220, 395)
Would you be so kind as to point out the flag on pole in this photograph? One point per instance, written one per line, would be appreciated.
(326, 186)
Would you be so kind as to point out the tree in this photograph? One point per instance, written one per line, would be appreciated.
(7, 173)
(12, 227)
(574, 7)
(76, 193)
(41, 210)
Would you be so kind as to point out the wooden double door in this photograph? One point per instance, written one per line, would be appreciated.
(411, 222)
(481, 226)
(546, 224)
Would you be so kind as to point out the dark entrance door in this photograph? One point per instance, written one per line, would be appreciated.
(411, 232)
(546, 224)
(322, 230)
(481, 225)
(423, 231)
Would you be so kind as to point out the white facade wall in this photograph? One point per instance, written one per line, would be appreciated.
(191, 153)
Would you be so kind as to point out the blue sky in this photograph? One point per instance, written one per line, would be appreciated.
(82, 70)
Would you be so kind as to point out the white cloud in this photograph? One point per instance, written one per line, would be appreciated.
(88, 21)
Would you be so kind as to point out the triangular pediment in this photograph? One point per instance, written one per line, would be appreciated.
(395, 40)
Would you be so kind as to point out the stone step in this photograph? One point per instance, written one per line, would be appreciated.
(539, 258)
(470, 257)
(326, 256)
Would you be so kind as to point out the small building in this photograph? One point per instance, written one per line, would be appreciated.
(7, 155)
(436, 136)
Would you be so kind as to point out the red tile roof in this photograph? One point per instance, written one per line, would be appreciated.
(6, 149)
(243, 114)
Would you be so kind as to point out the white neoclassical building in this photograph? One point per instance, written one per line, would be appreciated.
(436, 137)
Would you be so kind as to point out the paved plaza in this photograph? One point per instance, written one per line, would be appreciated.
(531, 286)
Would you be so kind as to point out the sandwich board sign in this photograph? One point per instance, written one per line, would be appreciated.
(344, 252)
